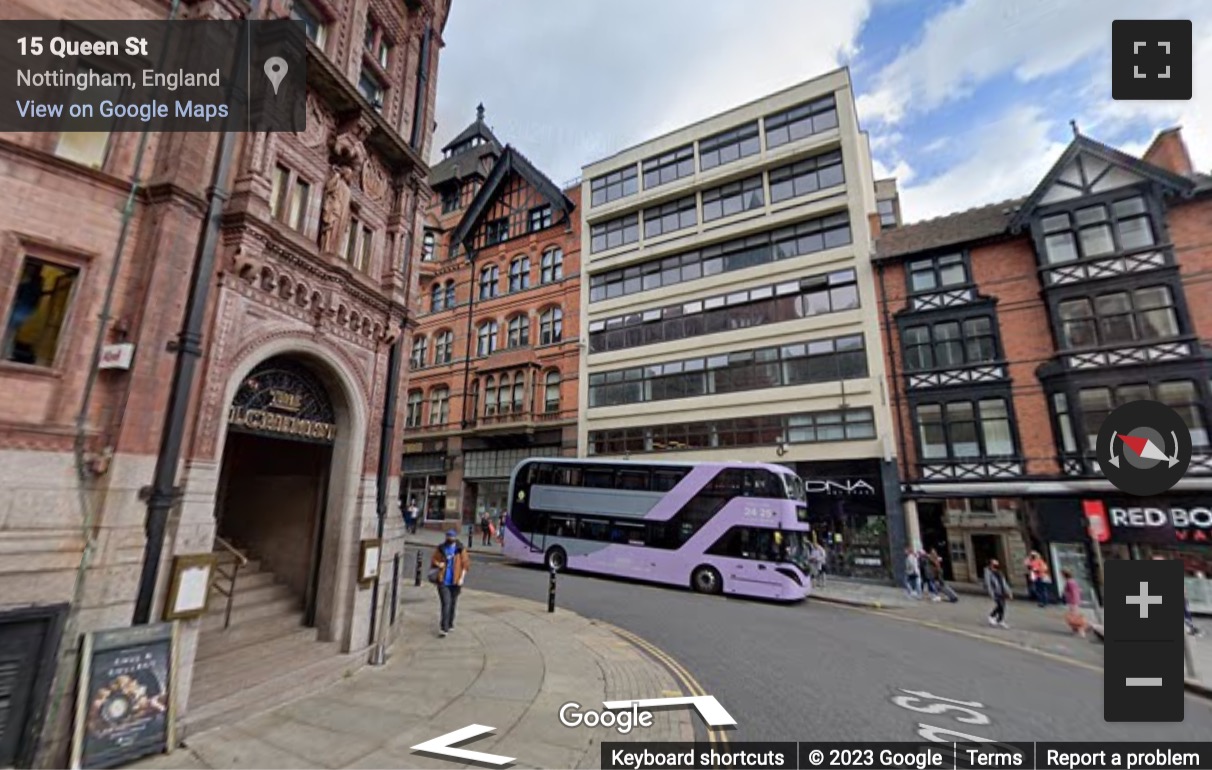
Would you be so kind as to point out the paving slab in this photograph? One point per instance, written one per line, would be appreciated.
(509, 664)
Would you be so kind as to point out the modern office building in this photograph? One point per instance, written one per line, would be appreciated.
(492, 374)
(730, 313)
(280, 432)
(1014, 329)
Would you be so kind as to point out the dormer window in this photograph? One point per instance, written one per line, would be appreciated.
(937, 273)
(1096, 231)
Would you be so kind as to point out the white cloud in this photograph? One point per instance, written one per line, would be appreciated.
(978, 40)
(1008, 157)
(570, 83)
(1195, 116)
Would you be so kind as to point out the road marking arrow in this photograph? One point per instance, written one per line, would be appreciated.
(442, 746)
(708, 707)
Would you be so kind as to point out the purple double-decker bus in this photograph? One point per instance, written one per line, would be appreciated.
(717, 527)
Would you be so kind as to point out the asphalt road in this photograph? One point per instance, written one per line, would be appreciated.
(820, 672)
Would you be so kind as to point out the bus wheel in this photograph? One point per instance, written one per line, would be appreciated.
(706, 580)
(556, 559)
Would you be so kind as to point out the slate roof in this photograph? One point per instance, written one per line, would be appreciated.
(949, 230)
(467, 162)
(510, 160)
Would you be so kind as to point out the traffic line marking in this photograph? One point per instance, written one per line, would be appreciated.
(677, 669)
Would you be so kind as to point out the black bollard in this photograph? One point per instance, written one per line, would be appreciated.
(471, 533)
(417, 577)
(551, 586)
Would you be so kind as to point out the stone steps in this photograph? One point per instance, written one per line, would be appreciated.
(251, 664)
(277, 680)
(268, 604)
(217, 642)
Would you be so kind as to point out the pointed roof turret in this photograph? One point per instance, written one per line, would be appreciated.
(462, 156)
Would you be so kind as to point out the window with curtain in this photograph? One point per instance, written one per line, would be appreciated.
(412, 418)
(439, 406)
(490, 395)
(490, 277)
(551, 392)
(519, 331)
(486, 342)
(551, 326)
(965, 430)
(552, 266)
(519, 274)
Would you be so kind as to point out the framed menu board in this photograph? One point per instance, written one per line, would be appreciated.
(124, 697)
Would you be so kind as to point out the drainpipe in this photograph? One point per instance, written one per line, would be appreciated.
(899, 536)
(386, 439)
(473, 287)
(188, 350)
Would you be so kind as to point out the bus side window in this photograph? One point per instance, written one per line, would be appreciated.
(602, 479)
(630, 479)
(663, 481)
(542, 473)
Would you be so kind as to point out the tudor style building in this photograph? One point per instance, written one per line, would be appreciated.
(1014, 329)
(281, 429)
(492, 376)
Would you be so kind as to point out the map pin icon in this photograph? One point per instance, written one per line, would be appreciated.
(275, 70)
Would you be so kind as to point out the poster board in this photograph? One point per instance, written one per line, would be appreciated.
(124, 695)
(189, 586)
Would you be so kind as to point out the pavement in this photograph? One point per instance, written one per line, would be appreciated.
(509, 664)
(1041, 629)
(820, 671)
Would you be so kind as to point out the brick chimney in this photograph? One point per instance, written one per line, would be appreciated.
(1169, 151)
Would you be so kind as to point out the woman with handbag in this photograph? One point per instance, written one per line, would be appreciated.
(1074, 616)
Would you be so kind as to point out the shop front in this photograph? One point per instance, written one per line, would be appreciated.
(423, 479)
(847, 512)
(1177, 526)
(486, 474)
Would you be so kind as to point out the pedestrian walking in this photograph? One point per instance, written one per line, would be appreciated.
(999, 590)
(1074, 616)
(1040, 577)
(502, 517)
(945, 590)
(411, 515)
(1189, 618)
(913, 573)
(486, 526)
(448, 569)
(929, 577)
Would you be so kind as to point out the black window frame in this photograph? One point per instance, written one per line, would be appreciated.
(1096, 322)
(538, 218)
(1046, 225)
(806, 173)
(746, 139)
(673, 213)
(1126, 389)
(614, 185)
(496, 231)
(836, 291)
(829, 359)
(912, 350)
(452, 198)
(749, 193)
(679, 162)
(626, 229)
(827, 231)
(935, 266)
(789, 121)
(950, 423)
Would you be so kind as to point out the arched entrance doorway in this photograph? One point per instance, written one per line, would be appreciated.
(273, 483)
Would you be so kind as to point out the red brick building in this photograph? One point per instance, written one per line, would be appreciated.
(1014, 329)
(494, 358)
(311, 288)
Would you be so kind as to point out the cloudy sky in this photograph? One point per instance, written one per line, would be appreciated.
(966, 101)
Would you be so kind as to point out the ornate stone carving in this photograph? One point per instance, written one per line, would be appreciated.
(334, 216)
(315, 133)
(374, 180)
